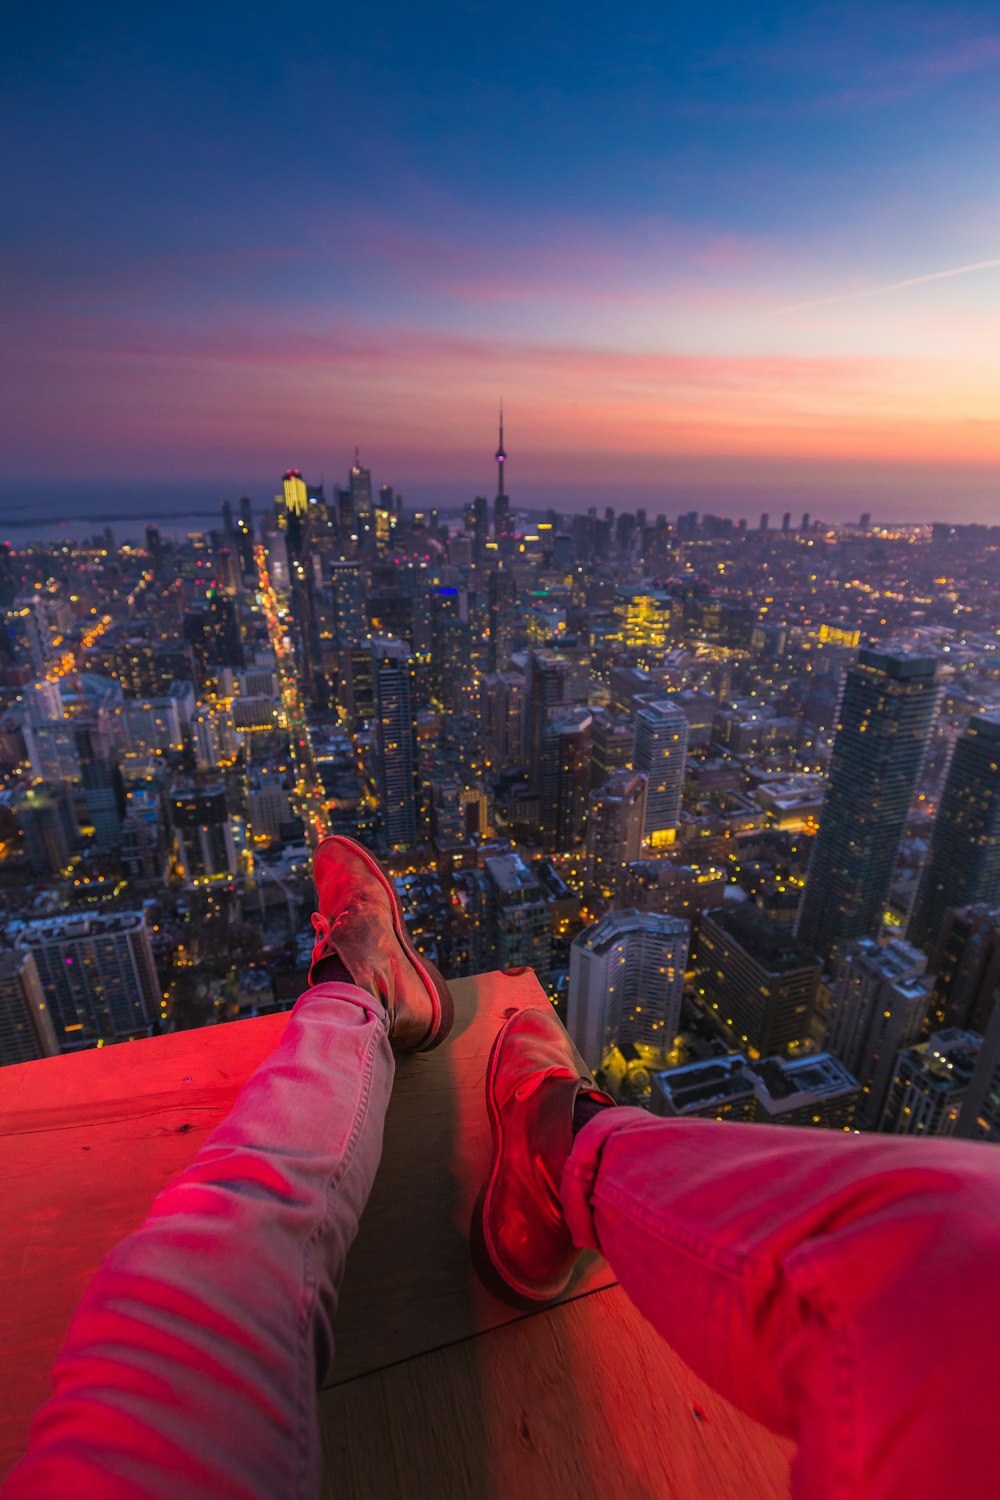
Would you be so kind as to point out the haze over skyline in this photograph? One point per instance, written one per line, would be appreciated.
(707, 259)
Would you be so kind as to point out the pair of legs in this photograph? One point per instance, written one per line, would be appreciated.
(841, 1289)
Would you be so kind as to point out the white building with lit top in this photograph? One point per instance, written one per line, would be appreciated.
(626, 979)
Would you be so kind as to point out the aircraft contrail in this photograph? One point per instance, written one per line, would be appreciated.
(894, 286)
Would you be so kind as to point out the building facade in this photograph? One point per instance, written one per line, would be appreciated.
(661, 738)
(963, 862)
(755, 980)
(890, 698)
(626, 981)
(97, 975)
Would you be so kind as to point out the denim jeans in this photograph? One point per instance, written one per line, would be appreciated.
(841, 1289)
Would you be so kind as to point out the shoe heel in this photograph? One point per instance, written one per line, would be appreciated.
(445, 1003)
(485, 1268)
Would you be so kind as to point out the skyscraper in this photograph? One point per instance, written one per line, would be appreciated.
(980, 1116)
(966, 963)
(754, 980)
(103, 787)
(889, 702)
(398, 785)
(26, 1030)
(97, 974)
(879, 1005)
(517, 920)
(564, 781)
(480, 529)
(930, 1083)
(614, 833)
(661, 737)
(360, 481)
(501, 709)
(204, 838)
(47, 818)
(350, 627)
(626, 978)
(502, 597)
(963, 862)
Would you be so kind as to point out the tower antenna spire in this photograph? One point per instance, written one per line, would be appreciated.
(501, 456)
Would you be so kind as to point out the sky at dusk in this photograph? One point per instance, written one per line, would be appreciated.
(726, 256)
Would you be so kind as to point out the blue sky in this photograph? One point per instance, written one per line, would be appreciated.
(246, 238)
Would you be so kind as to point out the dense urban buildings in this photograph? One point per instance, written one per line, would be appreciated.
(731, 791)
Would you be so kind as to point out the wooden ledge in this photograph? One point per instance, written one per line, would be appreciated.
(438, 1389)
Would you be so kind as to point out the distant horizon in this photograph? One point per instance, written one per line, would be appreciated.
(729, 259)
(919, 494)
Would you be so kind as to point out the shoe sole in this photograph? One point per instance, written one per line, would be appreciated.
(488, 1264)
(442, 1004)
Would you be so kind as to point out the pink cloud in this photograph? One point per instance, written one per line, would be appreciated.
(150, 393)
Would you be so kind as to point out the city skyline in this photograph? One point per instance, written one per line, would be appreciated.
(706, 261)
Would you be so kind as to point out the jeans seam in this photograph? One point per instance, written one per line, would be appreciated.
(844, 1469)
(307, 1303)
(737, 1267)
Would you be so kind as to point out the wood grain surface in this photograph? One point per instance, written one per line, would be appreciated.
(582, 1402)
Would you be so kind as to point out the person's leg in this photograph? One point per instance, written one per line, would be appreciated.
(191, 1364)
(842, 1289)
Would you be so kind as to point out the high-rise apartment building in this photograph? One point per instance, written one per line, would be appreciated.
(501, 708)
(930, 1083)
(204, 839)
(550, 687)
(48, 821)
(626, 980)
(516, 916)
(979, 1119)
(501, 609)
(614, 834)
(97, 975)
(754, 980)
(360, 481)
(26, 1030)
(214, 736)
(398, 783)
(963, 862)
(661, 737)
(349, 623)
(564, 780)
(878, 1008)
(103, 787)
(888, 705)
(966, 963)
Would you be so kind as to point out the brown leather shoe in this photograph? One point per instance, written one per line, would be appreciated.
(521, 1245)
(361, 922)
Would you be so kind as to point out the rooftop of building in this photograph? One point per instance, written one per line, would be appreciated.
(12, 961)
(717, 1080)
(949, 1056)
(901, 662)
(437, 1388)
(67, 928)
(769, 943)
(509, 873)
(796, 1080)
(615, 925)
(897, 960)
